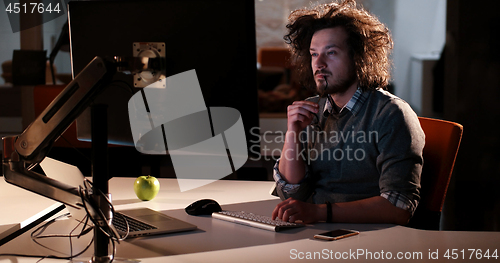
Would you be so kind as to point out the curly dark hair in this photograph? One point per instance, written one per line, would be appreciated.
(369, 41)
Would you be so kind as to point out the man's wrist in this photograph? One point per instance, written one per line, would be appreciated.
(292, 134)
(292, 138)
(321, 213)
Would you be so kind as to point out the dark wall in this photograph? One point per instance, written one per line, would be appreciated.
(472, 98)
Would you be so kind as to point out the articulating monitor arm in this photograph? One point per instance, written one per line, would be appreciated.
(24, 151)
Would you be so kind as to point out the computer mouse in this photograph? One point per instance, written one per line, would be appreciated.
(203, 207)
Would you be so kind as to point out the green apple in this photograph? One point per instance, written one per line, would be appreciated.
(146, 187)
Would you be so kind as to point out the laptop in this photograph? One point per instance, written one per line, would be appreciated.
(142, 221)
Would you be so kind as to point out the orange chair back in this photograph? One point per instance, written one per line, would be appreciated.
(442, 140)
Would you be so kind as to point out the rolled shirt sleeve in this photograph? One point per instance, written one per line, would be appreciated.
(301, 191)
(401, 201)
(281, 183)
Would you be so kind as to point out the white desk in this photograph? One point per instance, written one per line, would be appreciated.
(219, 241)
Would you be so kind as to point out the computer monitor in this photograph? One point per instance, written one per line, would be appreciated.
(214, 37)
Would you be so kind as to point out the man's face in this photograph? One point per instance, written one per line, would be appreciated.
(330, 59)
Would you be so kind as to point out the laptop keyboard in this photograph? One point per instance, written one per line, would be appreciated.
(134, 225)
(253, 220)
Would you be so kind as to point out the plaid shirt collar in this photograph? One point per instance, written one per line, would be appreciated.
(353, 105)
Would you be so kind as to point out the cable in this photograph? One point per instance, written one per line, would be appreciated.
(38, 256)
(41, 229)
(108, 230)
(37, 234)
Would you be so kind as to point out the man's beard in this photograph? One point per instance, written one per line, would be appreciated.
(341, 85)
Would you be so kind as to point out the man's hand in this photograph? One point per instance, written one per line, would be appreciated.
(292, 210)
(300, 114)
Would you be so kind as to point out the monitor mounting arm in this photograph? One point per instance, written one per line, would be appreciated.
(28, 149)
(25, 151)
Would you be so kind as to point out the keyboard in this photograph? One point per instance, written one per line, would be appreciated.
(133, 224)
(253, 220)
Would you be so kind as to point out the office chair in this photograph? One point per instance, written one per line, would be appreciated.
(442, 140)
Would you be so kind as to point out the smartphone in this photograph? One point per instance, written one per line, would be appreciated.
(336, 234)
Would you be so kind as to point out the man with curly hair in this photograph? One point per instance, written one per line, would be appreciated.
(354, 152)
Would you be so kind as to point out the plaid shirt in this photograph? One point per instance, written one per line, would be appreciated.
(353, 105)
